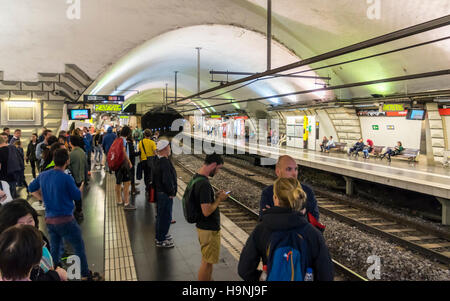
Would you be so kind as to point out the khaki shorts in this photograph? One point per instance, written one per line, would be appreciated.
(210, 245)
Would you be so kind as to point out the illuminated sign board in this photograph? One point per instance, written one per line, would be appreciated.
(393, 108)
(375, 127)
(444, 112)
(104, 98)
(108, 108)
(124, 117)
(397, 114)
(216, 116)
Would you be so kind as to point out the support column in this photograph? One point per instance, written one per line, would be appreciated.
(349, 186)
(445, 210)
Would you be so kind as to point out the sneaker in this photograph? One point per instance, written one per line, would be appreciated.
(129, 207)
(168, 237)
(93, 277)
(165, 244)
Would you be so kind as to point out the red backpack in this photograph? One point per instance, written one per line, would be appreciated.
(115, 155)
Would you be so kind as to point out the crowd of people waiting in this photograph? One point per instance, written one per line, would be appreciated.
(60, 167)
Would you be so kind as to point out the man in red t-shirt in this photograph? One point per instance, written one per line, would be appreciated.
(368, 149)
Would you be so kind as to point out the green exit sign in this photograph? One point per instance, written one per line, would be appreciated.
(375, 127)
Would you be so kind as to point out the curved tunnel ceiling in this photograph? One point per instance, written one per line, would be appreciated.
(223, 48)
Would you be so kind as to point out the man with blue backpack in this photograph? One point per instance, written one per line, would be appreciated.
(291, 248)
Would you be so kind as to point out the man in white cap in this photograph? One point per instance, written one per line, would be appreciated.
(165, 182)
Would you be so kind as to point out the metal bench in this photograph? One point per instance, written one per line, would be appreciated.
(339, 146)
(408, 153)
(377, 151)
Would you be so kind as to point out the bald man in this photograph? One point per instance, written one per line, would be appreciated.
(287, 168)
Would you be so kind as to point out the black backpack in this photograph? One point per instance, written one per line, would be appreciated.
(191, 207)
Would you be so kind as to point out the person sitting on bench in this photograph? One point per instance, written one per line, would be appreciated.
(323, 144)
(393, 152)
(368, 148)
(330, 145)
(358, 147)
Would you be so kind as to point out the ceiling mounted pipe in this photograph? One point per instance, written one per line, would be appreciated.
(397, 35)
(345, 86)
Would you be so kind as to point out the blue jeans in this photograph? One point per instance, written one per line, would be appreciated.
(164, 217)
(98, 153)
(329, 147)
(70, 232)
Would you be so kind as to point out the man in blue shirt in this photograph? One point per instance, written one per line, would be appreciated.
(58, 190)
(287, 168)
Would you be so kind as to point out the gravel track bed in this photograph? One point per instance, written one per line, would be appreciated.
(389, 210)
(347, 244)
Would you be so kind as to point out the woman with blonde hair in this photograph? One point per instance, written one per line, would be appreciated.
(285, 226)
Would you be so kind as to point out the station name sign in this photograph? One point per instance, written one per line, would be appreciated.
(108, 108)
(104, 98)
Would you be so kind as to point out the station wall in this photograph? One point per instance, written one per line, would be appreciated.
(407, 131)
(326, 127)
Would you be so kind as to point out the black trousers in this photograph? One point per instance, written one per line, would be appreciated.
(33, 167)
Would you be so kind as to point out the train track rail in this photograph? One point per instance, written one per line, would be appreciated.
(429, 242)
(247, 219)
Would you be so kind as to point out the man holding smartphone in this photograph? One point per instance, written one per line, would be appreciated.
(208, 225)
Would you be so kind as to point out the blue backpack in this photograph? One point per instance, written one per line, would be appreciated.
(287, 256)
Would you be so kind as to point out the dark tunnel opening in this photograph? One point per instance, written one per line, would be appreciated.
(161, 120)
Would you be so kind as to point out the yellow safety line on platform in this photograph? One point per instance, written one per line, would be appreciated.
(119, 260)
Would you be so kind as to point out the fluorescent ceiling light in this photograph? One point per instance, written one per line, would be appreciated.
(20, 104)
(365, 106)
(441, 100)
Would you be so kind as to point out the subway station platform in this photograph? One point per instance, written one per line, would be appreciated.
(121, 244)
(419, 177)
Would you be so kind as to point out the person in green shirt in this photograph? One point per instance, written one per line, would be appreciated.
(393, 152)
(77, 167)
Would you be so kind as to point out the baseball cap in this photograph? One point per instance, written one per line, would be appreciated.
(162, 144)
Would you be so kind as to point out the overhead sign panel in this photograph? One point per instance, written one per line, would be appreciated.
(393, 108)
(108, 108)
(104, 98)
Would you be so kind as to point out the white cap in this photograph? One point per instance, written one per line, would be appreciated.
(162, 144)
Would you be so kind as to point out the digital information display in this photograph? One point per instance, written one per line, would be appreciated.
(79, 114)
(108, 108)
(101, 98)
(416, 114)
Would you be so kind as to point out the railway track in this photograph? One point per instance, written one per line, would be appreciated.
(247, 219)
(429, 242)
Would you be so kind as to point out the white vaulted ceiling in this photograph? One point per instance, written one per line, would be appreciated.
(137, 44)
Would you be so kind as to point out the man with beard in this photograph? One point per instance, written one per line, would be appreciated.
(208, 225)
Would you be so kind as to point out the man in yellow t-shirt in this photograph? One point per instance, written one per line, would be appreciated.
(147, 147)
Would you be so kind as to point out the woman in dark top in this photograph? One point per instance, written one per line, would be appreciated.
(286, 217)
(20, 211)
(393, 152)
(165, 182)
(31, 154)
